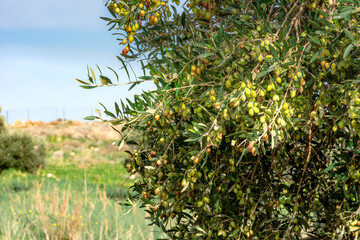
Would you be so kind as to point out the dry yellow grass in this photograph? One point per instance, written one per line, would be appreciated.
(61, 213)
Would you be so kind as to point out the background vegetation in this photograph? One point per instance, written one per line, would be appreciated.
(19, 150)
(76, 195)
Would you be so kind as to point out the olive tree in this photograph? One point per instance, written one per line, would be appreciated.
(253, 128)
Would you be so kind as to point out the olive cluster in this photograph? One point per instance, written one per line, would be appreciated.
(136, 13)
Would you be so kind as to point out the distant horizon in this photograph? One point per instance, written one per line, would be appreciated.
(48, 113)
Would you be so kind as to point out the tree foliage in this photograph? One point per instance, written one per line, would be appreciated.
(253, 129)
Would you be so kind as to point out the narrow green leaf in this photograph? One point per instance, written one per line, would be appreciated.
(103, 106)
(288, 63)
(88, 87)
(106, 79)
(90, 118)
(174, 9)
(330, 167)
(133, 85)
(285, 50)
(314, 24)
(314, 40)
(247, 118)
(344, 14)
(145, 77)
(356, 81)
(263, 73)
(105, 18)
(193, 139)
(274, 52)
(117, 109)
(124, 65)
(93, 74)
(98, 69)
(313, 58)
(204, 55)
(183, 19)
(143, 67)
(117, 77)
(131, 103)
(220, 92)
(348, 34)
(134, 2)
(348, 50)
(308, 48)
(88, 72)
(124, 20)
(242, 155)
(110, 114)
(185, 187)
(170, 55)
(82, 82)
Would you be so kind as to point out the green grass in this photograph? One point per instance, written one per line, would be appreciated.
(65, 203)
(101, 173)
(75, 196)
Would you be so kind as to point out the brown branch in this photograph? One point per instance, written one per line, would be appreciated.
(279, 174)
(286, 18)
(295, 22)
(307, 160)
(208, 84)
(270, 12)
(116, 84)
(303, 174)
(254, 170)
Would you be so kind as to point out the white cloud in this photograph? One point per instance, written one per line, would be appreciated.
(40, 14)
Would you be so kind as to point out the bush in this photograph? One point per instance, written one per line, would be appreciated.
(253, 129)
(21, 151)
(2, 122)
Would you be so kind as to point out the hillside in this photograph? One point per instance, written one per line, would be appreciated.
(75, 141)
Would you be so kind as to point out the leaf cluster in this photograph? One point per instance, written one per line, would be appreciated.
(253, 130)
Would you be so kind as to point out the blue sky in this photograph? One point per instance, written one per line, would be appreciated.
(44, 46)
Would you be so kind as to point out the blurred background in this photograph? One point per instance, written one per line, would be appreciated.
(47, 114)
(44, 46)
(75, 176)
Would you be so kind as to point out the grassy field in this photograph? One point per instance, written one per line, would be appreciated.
(75, 196)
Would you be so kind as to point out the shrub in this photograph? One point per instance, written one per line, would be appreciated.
(21, 151)
(253, 128)
(2, 122)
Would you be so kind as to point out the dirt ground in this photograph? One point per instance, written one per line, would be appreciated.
(72, 129)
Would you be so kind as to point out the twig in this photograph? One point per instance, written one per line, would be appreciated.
(307, 160)
(254, 170)
(295, 22)
(208, 84)
(286, 18)
(270, 12)
(117, 84)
